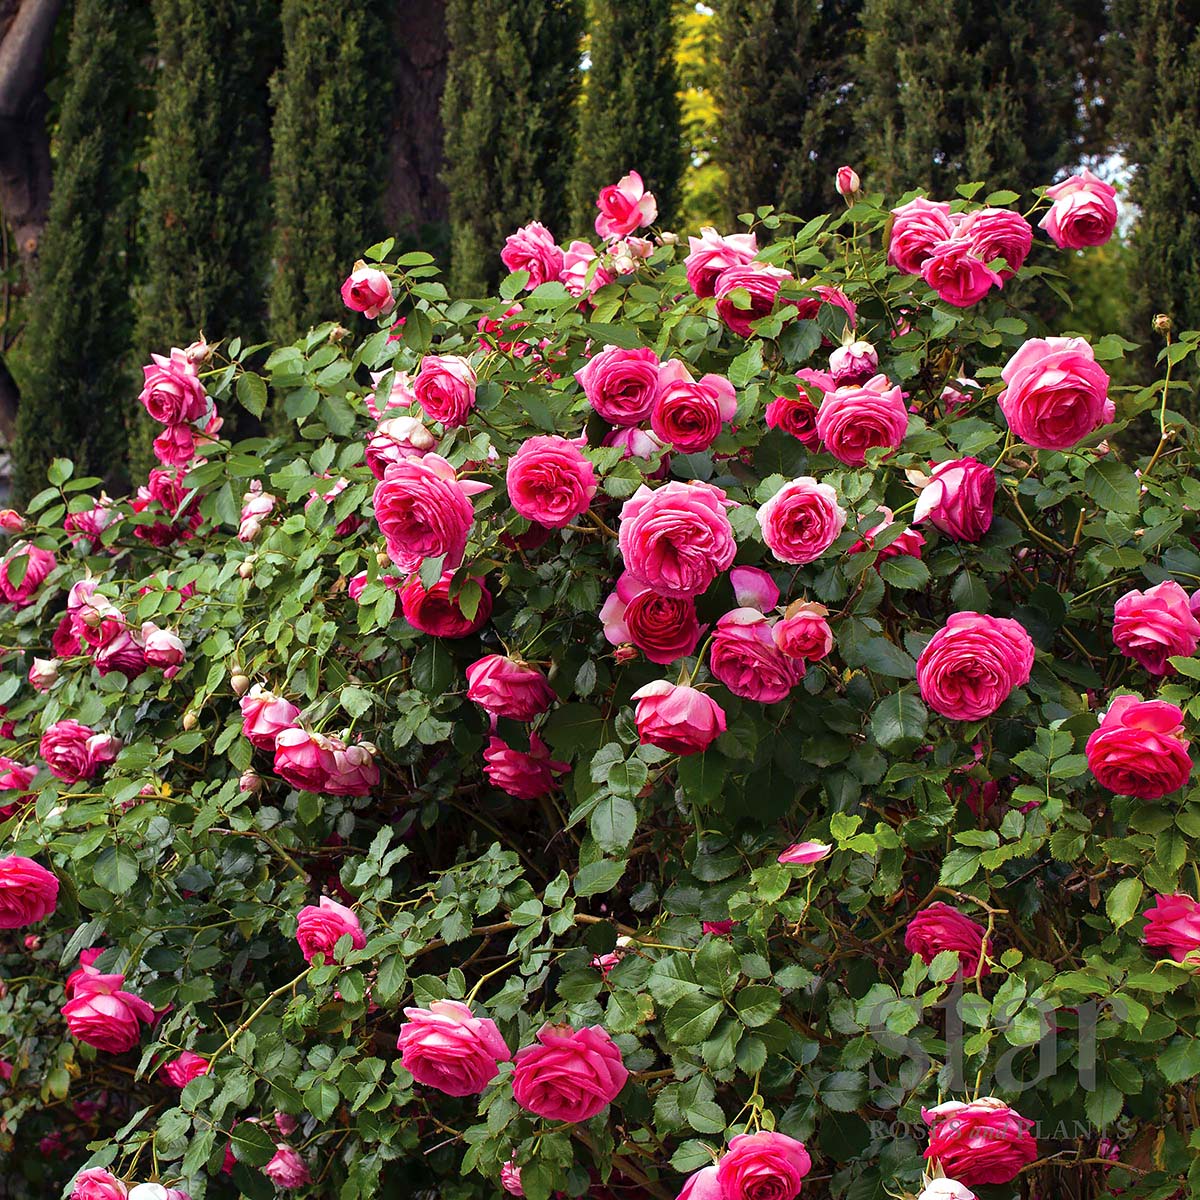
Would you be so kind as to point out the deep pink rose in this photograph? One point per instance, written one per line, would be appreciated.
(1057, 393)
(754, 588)
(264, 716)
(804, 632)
(97, 1184)
(28, 892)
(663, 628)
(90, 523)
(73, 752)
(570, 1075)
(437, 613)
(846, 181)
(958, 499)
(917, 227)
(678, 718)
(15, 776)
(104, 1016)
(549, 481)
(392, 440)
(182, 1069)
(744, 657)
(29, 565)
(972, 663)
(802, 854)
(689, 413)
(445, 1046)
(176, 445)
(624, 207)
(853, 420)
(287, 1169)
(757, 281)
(621, 384)
(799, 417)
(808, 307)
(1084, 212)
(508, 687)
(1137, 749)
(941, 927)
(319, 928)
(582, 270)
(85, 968)
(524, 775)
(64, 641)
(1174, 924)
(910, 542)
(981, 1142)
(801, 521)
(533, 248)
(445, 388)
(369, 291)
(115, 647)
(762, 1166)
(998, 233)
(676, 539)
(164, 493)
(959, 276)
(303, 758)
(171, 391)
(710, 254)
(1155, 625)
(853, 363)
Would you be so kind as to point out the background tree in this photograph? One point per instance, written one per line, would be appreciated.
(630, 116)
(697, 63)
(509, 111)
(332, 99)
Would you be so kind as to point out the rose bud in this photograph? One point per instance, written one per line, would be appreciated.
(240, 684)
(847, 181)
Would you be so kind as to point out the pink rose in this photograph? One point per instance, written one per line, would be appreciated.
(853, 363)
(643, 444)
(570, 1075)
(718, 928)
(688, 414)
(319, 928)
(11, 521)
(747, 294)
(437, 613)
(1137, 749)
(445, 388)
(171, 390)
(354, 771)
(508, 687)
(73, 752)
(162, 647)
(445, 1046)
(804, 632)
(710, 254)
(526, 776)
(853, 420)
(799, 417)
(400, 394)
(85, 968)
(582, 270)
(981, 1142)
(115, 647)
(303, 758)
(754, 588)
(800, 854)
(90, 523)
(959, 276)
(28, 565)
(763, 1166)
(1084, 212)
(394, 439)
(533, 249)
(28, 892)
(97, 1184)
(809, 307)
(972, 663)
(104, 1016)
(265, 716)
(917, 227)
(677, 718)
(743, 656)
(676, 539)
(287, 1169)
(369, 291)
(181, 1070)
(1155, 625)
(663, 628)
(256, 507)
(510, 1179)
(958, 499)
(846, 181)
(910, 542)
(1174, 923)
(1057, 393)
(621, 384)
(549, 481)
(940, 927)
(702, 1185)
(625, 207)
(801, 521)
(998, 233)
(176, 445)
(43, 674)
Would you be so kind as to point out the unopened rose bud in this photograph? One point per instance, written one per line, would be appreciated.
(11, 521)
(240, 684)
(1162, 324)
(625, 653)
(199, 351)
(33, 942)
(246, 569)
(853, 363)
(848, 182)
(382, 559)
(668, 239)
(189, 720)
(251, 781)
(917, 478)
(43, 675)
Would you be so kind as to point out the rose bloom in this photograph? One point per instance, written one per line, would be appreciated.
(73, 752)
(959, 276)
(808, 307)
(853, 363)
(946, 1189)
(1154, 625)
(941, 927)
(354, 771)
(911, 542)
(917, 227)
(1057, 393)
(83, 971)
(156, 1191)
(958, 499)
(265, 716)
(981, 1142)
(760, 282)
(804, 632)
(972, 663)
(445, 388)
(523, 775)
(64, 641)
(510, 1179)
(256, 506)
(319, 928)
(163, 492)
(754, 588)
(676, 539)
(445, 1046)
(710, 254)
(621, 384)
(115, 647)
(90, 523)
(163, 648)
(104, 1016)
(998, 233)
(677, 718)
(801, 521)
(1174, 924)
(97, 1184)
(400, 393)
(1137, 749)
(549, 481)
(663, 628)
(28, 892)
(570, 1075)
(176, 445)
(582, 270)
(743, 656)
(853, 420)
(38, 564)
(180, 1071)
(304, 758)
(625, 207)
(287, 1169)
(43, 674)
(762, 1166)
(799, 417)
(1084, 212)
(437, 613)
(171, 390)
(369, 291)
(801, 854)
(394, 439)
(533, 249)
(688, 413)
(11, 521)
(643, 444)
(508, 687)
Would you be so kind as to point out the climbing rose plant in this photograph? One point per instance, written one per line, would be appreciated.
(709, 721)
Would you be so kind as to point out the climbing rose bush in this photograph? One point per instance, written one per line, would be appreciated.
(713, 720)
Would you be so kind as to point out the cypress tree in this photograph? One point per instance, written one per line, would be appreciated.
(630, 118)
(509, 110)
(76, 395)
(332, 100)
(788, 120)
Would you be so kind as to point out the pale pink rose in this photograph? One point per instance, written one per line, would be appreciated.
(743, 656)
(629, 252)
(754, 588)
(319, 928)
(954, 396)
(853, 420)
(437, 613)
(981, 1142)
(156, 1191)
(1084, 212)
(43, 674)
(395, 439)
(510, 1179)
(998, 233)
(676, 539)
(702, 1185)
(354, 771)
(910, 542)
(28, 892)
(533, 249)
(1137, 749)
(689, 413)
(185, 1067)
(90, 523)
(73, 752)
(746, 294)
(801, 521)
(959, 276)
(287, 1169)
(265, 716)
(917, 227)
(958, 499)
(163, 648)
(1173, 922)
(625, 207)
(853, 363)
(97, 1184)
(946, 1189)
(171, 391)
(621, 384)
(445, 388)
(549, 481)
(400, 394)
(446, 1046)
(643, 444)
(677, 718)
(800, 854)
(1155, 625)
(846, 181)
(250, 781)
(941, 927)
(763, 1166)
(29, 565)
(103, 1015)
(508, 687)
(256, 507)
(524, 775)
(570, 1075)
(972, 663)
(1056, 393)
(710, 254)
(663, 628)
(804, 631)
(582, 270)
(369, 291)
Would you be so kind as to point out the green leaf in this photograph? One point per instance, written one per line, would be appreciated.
(116, 870)
(252, 1144)
(899, 719)
(1180, 1060)
(843, 1091)
(628, 778)
(433, 668)
(599, 877)
(746, 366)
(252, 392)
(1122, 902)
(1103, 1106)
(692, 1018)
(1113, 486)
(702, 777)
(613, 822)
(757, 1004)
(904, 571)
